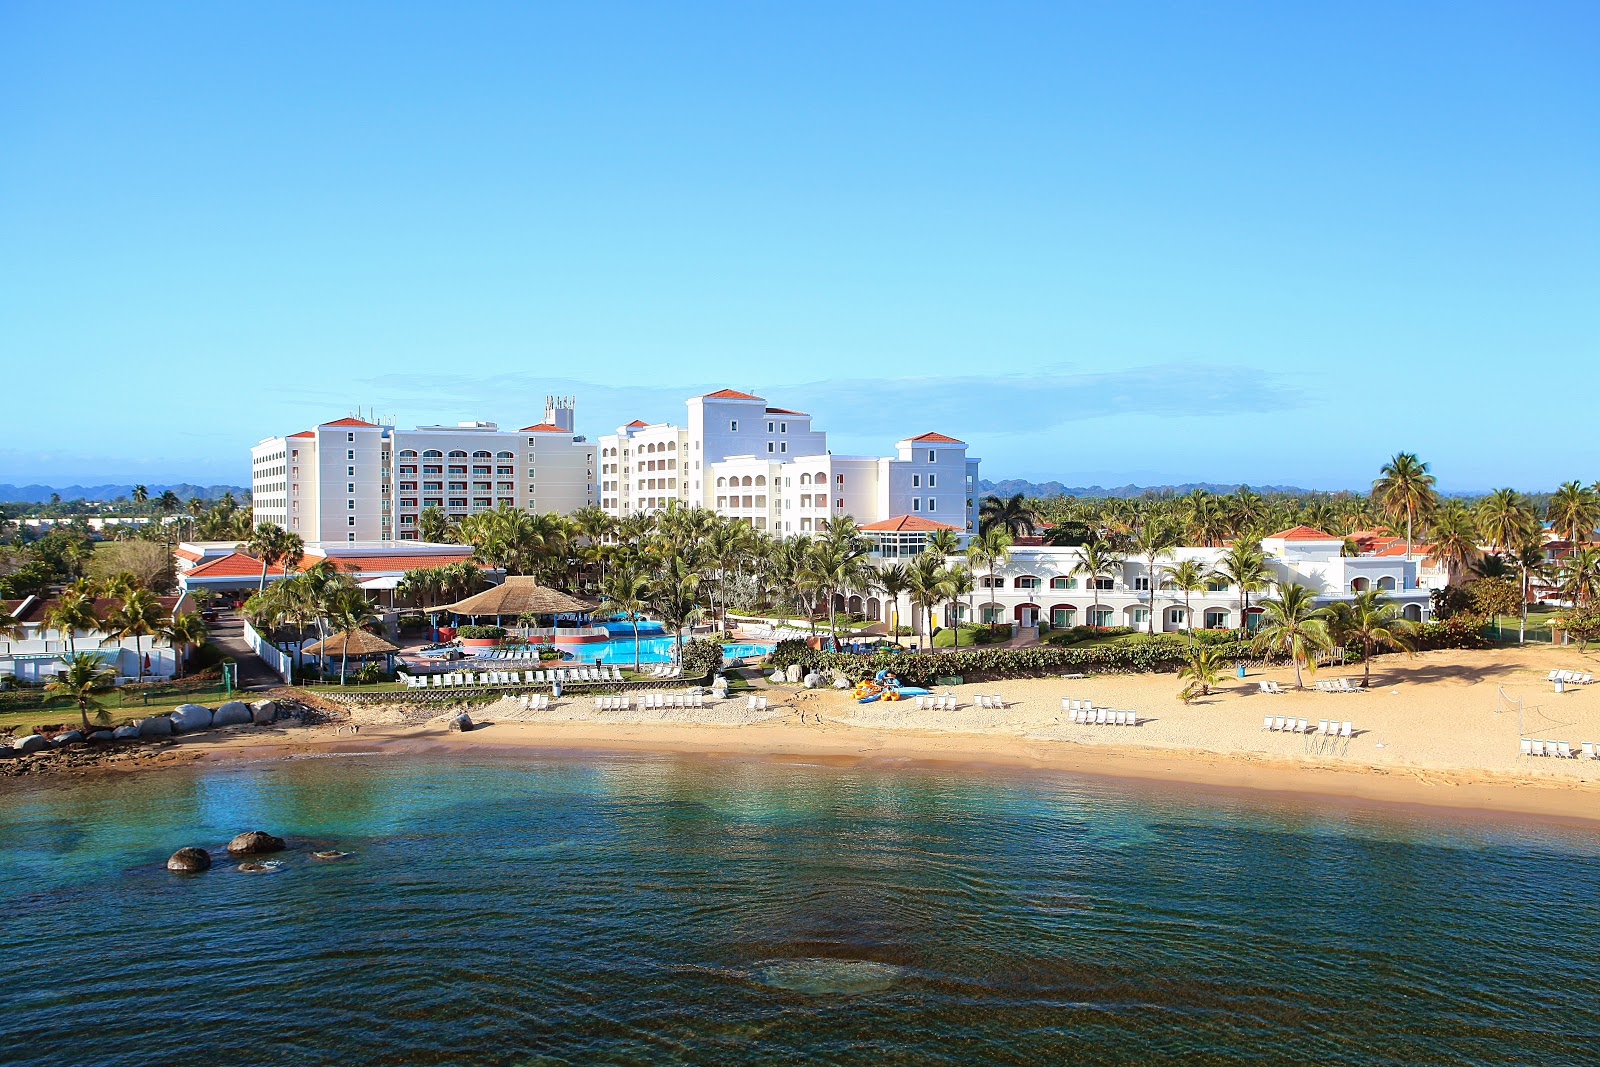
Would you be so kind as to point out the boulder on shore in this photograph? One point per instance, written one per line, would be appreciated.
(813, 680)
(68, 738)
(102, 735)
(189, 859)
(155, 726)
(462, 722)
(125, 733)
(254, 843)
(30, 743)
(233, 713)
(187, 718)
(263, 712)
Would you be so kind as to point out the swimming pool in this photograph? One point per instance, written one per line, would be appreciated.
(652, 650)
(625, 629)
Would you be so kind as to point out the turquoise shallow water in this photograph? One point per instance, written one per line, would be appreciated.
(645, 910)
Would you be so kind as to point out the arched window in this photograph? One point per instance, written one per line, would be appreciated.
(1026, 581)
(805, 479)
(1216, 619)
(480, 455)
(672, 446)
(433, 453)
(504, 455)
(1386, 582)
(746, 481)
(408, 453)
(761, 479)
(822, 478)
(1360, 585)
(722, 483)
(458, 454)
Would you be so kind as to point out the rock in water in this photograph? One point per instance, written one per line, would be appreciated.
(269, 867)
(329, 854)
(233, 713)
(462, 722)
(263, 712)
(31, 743)
(187, 718)
(824, 977)
(254, 843)
(189, 859)
(126, 733)
(157, 726)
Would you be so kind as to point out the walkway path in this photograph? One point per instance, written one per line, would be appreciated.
(227, 633)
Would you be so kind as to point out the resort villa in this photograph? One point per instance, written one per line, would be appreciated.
(356, 481)
(744, 459)
(38, 655)
(376, 566)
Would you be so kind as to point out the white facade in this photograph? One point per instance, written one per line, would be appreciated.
(355, 481)
(39, 654)
(741, 458)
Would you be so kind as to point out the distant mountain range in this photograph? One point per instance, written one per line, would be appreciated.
(40, 494)
(1008, 486)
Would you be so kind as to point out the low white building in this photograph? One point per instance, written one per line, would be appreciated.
(376, 566)
(39, 654)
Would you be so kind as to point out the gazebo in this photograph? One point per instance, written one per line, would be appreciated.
(517, 595)
(358, 645)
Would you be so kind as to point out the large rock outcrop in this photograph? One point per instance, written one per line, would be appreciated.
(68, 738)
(30, 743)
(126, 733)
(157, 726)
(254, 843)
(263, 712)
(233, 713)
(188, 718)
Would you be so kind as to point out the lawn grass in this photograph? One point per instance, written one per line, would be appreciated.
(118, 706)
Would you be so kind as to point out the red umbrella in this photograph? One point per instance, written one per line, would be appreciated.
(147, 661)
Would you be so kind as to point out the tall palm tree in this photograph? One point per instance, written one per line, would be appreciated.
(271, 544)
(140, 494)
(1370, 621)
(1189, 576)
(1012, 515)
(72, 611)
(1153, 541)
(959, 583)
(85, 678)
(1244, 565)
(988, 550)
(137, 616)
(1580, 575)
(1455, 537)
(184, 631)
(1573, 512)
(1097, 561)
(1506, 519)
(943, 543)
(434, 526)
(168, 503)
(1404, 490)
(1292, 623)
(928, 584)
(675, 598)
(893, 582)
(626, 592)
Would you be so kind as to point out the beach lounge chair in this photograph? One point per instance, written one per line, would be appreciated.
(1278, 722)
(1347, 729)
(1564, 750)
(1587, 751)
(1266, 722)
(1587, 678)
(1527, 747)
(1099, 716)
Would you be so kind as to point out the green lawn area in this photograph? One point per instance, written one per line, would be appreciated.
(1538, 624)
(119, 706)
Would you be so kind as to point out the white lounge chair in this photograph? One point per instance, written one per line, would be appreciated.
(1564, 750)
(1527, 747)
(1347, 729)
(1590, 751)
(1322, 727)
(1266, 722)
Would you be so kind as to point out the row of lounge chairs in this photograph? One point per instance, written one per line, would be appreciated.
(534, 701)
(1560, 749)
(459, 678)
(664, 670)
(1104, 717)
(1572, 677)
(1322, 685)
(1292, 725)
(935, 703)
(650, 700)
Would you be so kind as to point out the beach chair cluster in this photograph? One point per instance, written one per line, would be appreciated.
(507, 653)
(1084, 713)
(935, 702)
(1572, 677)
(568, 675)
(1560, 749)
(457, 679)
(990, 700)
(1270, 688)
(534, 701)
(755, 703)
(1324, 728)
(644, 701)
(1337, 685)
(664, 670)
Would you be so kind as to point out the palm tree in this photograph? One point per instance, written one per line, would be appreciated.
(1204, 669)
(1372, 622)
(1012, 515)
(137, 616)
(893, 581)
(72, 611)
(140, 494)
(1580, 575)
(1573, 512)
(675, 598)
(1505, 519)
(959, 583)
(988, 550)
(626, 592)
(838, 563)
(1097, 561)
(348, 612)
(943, 543)
(85, 678)
(1188, 577)
(184, 631)
(1529, 560)
(1292, 623)
(434, 526)
(927, 585)
(1404, 489)
(168, 503)
(1245, 567)
(1455, 537)
(272, 544)
(1153, 540)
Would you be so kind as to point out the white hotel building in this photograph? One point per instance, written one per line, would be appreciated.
(741, 458)
(353, 480)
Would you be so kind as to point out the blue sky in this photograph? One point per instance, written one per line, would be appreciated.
(1103, 243)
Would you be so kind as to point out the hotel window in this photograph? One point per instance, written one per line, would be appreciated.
(349, 437)
(931, 504)
(1063, 618)
(352, 504)
(1027, 581)
(433, 470)
(916, 503)
(350, 453)
(769, 427)
(1063, 583)
(771, 447)
(733, 426)
(840, 503)
(351, 537)
(350, 488)
(933, 481)
(352, 520)
(349, 472)
(1102, 583)
(932, 456)
(916, 481)
(783, 446)
(1142, 584)
(783, 427)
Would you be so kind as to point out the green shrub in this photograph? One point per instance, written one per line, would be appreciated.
(549, 652)
(1462, 630)
(787, 653)
(921, 668)
(1073, 635)
(481, 633)
(701, 656)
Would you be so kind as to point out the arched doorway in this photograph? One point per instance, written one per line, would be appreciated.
(1026, 615)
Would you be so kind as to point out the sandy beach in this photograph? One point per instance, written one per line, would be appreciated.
(1427, 733)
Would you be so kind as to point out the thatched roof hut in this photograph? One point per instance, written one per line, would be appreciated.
(353, 643)
(518, 595)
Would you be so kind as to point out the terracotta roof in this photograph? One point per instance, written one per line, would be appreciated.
(102, 607)
(938, 438)
(786, 411)
(183, 553)
(1303, 533)
(638, 422)
(358, 642)
(303, 433)
(729, 394)
(906, 524)
(384, 561)
(1399, 549)
(542, 427)
(348, 422)
(233, 565)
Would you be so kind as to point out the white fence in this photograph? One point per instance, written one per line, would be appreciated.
(278, 660)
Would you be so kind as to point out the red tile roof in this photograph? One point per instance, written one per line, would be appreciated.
(1304, 533)
(729, 394)
(938, 438)
(184, 553)
(907, 524)
(786, 411)
(233, 565)
(1399, 549)
(102, 607)
(303, 433)
(385, 561)
(348, 422)
(542, 427)
(638, 422)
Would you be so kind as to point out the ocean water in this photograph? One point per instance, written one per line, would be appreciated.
(645, 910)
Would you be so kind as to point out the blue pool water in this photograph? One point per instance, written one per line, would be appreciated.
(654, 910)
(625, 629)
(652, 650)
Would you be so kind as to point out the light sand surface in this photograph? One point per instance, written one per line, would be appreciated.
(1428, 732)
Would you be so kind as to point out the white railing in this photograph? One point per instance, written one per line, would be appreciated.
(281, 662)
